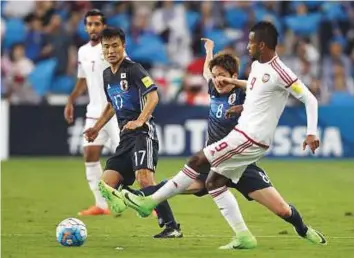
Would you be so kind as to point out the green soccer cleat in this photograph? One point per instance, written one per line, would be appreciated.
(113, 197)
(243, 240)
(143, 205)
(315, 237)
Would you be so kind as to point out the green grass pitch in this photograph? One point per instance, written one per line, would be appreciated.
(38, 193)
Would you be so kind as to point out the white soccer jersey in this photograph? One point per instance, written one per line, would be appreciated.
(268, 88)
(91, 66)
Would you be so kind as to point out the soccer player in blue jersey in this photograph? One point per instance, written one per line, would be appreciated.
(132, 97)
(221, 73)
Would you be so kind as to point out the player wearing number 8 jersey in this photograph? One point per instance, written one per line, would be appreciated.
(246, 144)
(132, 97)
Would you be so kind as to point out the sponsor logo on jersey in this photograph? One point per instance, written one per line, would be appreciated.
(123, 75)
(265, 77)
(124, 85)
(232, 99)
(147, 81)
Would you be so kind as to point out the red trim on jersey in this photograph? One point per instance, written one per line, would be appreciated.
(250, 139)
(287, 86)
(229, 155)
(226, 153)
(282, 73)
(91, 118)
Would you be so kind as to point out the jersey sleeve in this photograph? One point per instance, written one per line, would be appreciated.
(105, 85)
(80, 69)
(142, 79)
(285, 77)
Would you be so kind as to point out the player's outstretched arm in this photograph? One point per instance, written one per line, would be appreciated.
(92, 133)
(80, 88)
(209, 48)
(227, 80)
(302, 93)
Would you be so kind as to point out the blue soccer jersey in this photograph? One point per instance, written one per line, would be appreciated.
(218, 125)
(126, 91)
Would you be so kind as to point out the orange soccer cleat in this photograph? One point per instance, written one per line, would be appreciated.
(93, 211)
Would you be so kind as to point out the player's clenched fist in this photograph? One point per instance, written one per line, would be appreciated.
(234, 111)
(91, 134)
(69, 113)
(312, 141)
(208, 44)
(132, 125)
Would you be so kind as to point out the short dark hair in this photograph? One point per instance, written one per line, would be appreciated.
(227, 61)
(266, 32)
(111, 32)
(95, 12)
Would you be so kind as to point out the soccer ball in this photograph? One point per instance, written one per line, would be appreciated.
(71, 232)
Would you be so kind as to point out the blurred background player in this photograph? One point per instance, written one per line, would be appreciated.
(90, 70)
(268, 88)
(132, 97)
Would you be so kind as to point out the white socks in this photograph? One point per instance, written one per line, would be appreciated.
(176, 185)
(93, 176)
(229, 208)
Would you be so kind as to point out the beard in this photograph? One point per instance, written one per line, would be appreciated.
(94, 37)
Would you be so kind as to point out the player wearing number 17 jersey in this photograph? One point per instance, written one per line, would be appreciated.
(267, 90)
(132, 97)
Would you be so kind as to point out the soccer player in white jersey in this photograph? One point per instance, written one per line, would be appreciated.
(267, 90)
(90, 77)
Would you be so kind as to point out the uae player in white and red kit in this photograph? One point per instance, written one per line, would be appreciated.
(91, 65)
(269, 84)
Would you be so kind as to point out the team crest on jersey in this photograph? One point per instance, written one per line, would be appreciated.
(123, 75)
(124, 85)
(265, 77)
(232, 99)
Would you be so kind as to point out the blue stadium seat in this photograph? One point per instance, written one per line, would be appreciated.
(334, 11)
(120, 20)
(296, 23)
(148, 48)
(236, 18)
(15, 32)
(42, 76)
(62, 84)
(192, 19)
(341, 99)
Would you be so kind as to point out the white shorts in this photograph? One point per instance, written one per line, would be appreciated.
(231, 155)
(109, 132)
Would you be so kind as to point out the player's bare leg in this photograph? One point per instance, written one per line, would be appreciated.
(93, 175)
(111, 179)
(228, 206)
(271, 199)
(178, 184)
